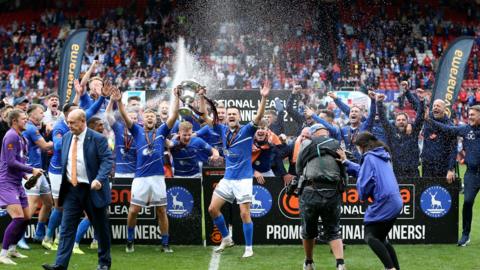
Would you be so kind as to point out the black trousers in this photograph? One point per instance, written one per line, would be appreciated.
(77, 200)
(376, 237)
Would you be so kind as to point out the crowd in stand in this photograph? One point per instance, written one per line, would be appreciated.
(139, 54)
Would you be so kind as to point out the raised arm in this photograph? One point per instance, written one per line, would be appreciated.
(415, 101)
(331, 128)
(202, 107)
(368, 123)
(174, 111)
(109, 112)
(387, 126)
(338, 101)
(123, 111)
(89, 72)
(296, 116)
(78, 91)
(261, 108)
(419, 118)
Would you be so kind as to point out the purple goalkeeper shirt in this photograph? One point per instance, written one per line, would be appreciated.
(13, 158)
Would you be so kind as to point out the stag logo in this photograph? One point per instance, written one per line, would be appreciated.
(179, 202)
(261, 201)
(435, 201)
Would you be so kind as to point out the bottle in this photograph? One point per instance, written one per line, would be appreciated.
(32, 181)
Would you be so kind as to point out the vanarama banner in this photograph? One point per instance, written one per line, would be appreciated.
(70, 63)
(449, 77)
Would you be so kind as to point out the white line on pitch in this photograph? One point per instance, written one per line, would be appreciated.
(214, 260)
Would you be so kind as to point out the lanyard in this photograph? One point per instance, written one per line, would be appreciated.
(150, 140)
(232, 135)
(127, 140)
(352, 136)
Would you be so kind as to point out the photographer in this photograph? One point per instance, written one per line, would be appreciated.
(322, 177)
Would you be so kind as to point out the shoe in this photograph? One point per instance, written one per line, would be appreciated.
(341, 267)
(248, 253)
(226, 243)
(22, 244)
(310, 266)
(77, 250)
(129, 248)
(167, 249)
(47, 244)
(94, 244)
(47, 266)
(16, 254)
(464, 241)
(6, 260)
(103, 267)
(57, 241)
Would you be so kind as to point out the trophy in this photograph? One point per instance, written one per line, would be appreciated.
(189, 89)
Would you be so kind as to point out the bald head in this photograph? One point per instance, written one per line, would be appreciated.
(438, 109)
(77, 121)
(305, 134)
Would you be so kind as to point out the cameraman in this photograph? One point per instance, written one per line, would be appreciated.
(323, 177)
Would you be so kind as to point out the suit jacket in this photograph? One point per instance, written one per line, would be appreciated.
(98, 162)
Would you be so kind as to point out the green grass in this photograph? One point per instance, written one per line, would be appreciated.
(359, 257)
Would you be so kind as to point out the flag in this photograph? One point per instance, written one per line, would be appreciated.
(70, 64)
(449, 77)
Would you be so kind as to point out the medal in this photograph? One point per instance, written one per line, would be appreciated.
(150, 140)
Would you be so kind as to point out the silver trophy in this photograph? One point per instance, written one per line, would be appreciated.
(189, 89)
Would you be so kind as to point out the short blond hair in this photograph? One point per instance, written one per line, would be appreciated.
(185, 125)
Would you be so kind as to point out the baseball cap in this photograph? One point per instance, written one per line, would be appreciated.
(19, 100)
(316, 127)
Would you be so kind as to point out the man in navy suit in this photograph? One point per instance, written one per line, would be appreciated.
(86, 163)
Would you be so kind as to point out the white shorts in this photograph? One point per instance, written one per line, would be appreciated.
(197, 175)
(42, 187)
(149, 191)
(124, 175)
(240, 190)
(55, 183)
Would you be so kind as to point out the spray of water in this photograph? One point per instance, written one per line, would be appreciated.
(188, 67)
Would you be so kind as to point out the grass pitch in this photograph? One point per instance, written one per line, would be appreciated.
(360, 257)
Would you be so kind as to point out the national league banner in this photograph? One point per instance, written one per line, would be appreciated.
(450, 72)
(70, 64)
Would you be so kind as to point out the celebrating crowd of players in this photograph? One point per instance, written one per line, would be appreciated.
(153, 143)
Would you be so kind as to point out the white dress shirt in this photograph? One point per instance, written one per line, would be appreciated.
(81, 168)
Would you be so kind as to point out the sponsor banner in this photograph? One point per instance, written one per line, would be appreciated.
(70, 64)
(429, 214)
(247, 101)
(451, 68)
(183, 211)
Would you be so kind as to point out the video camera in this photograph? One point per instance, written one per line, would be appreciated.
(295, 187)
